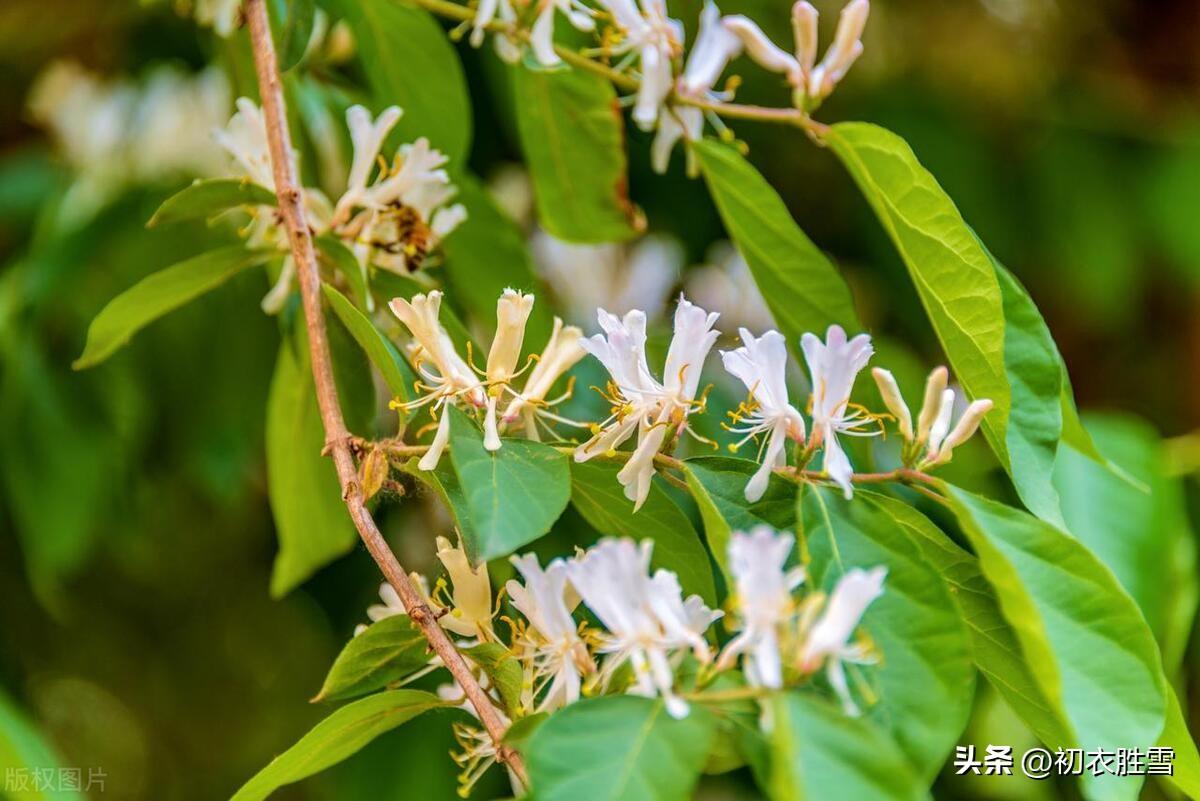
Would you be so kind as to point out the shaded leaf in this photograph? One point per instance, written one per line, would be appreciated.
(23, 749)
(618, 748)
(802, 288)
(209, 197)
(598, 496)
(337, 737)
(573, 137)
(296, 33)
(382, 353)
(157, 294)
(386, 651)
(503, 671)
(513, 495)
(333, 252)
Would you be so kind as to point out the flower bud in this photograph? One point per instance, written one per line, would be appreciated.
(894, 401)
(967, 425)
(759, 47)
(804, 27)
(934, 386)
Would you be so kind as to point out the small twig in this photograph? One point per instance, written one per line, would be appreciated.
(338, 439)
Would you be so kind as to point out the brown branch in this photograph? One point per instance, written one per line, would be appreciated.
(338, 440)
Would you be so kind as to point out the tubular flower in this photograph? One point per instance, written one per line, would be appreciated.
(828, 640)
(555, 656)
(833, 366)
(562, 351)
(763, 601)
(648, 623)
(470, 593)
(657, 39)
(934, 434)
(512, 313)
(451, 379)
(640, 402)
(761, 365)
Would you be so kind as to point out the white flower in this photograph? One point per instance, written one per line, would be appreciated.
(245, 138)
(647, 621)
(557, 656)
(814, 83)
(828, 640)
(391, 605)
(367, 137)
(761, 364)
(611, 276)
(512, 313)
(674, 123)
(220, 15)
(763, 597)
(657, 38)
(833, 365)
(933, 424)
(453, 377)
(561, 353)
(642, 403)
(541, 37)
(764, 52)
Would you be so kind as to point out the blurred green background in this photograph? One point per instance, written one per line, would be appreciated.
(136, 629)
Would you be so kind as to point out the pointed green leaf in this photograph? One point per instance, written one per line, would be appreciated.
(618, 748)
(386, 651)
(513, 495)
(573, 137)
(409, 62)
(1084, 638)
(503, 671)
(383, 354)
(596, 494)
(925, 646)
(296, 33)
(1186, 775)
(718, 484)
(818, 752)
(803, 290)
(337, 737)
(157, 294)
(207, 198)
(334, 253)
(311, 521)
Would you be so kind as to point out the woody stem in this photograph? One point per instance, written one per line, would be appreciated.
(337, 437)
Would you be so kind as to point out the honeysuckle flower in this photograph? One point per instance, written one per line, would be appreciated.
(761, 364)
(814, 83)
(828, 640)
(391, 605)
(609, 276)
(763, 602)
(479, 751)
(674, 123)
(833, 366)
(657, 38)
(556, 657)
(724, 281)
(541, 36)
(641, 403)
(222, 16)
(452, 378)
(760, 48)
(889, 390)
(245, 139)
(512, 313)
(470, 593)
(933, 434)
(366, 137)
(647, 621)
(561, 353)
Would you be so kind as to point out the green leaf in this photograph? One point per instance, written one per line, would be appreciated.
(1186, 775)
(331, 250)
(206, 198)
(513, 495)
(997, 651)
(311, 521)
(925, 646)
(296, 33)
(1084, 638)
(337, 737)
(618, 748)
(818, 752)
(157, 294)
(389, 650)
(409, 62)
(598, 496)
(485, 255)
(803, 290)
(718, 484)
(22, 752)
(573, 137)
(1142, 535)
(503, 671)
(383, 354)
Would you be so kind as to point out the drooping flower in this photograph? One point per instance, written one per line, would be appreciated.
(761, 364)
(658, 39)
(562, 352)
(828, 641)
(649, 625)
(933, 435)
(452, 378)
(763, 602)
(556, 656)
(833, 366)
(641, 403)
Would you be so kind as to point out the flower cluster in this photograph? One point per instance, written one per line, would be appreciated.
(648, 628)
(448, 377)
(391, 214)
